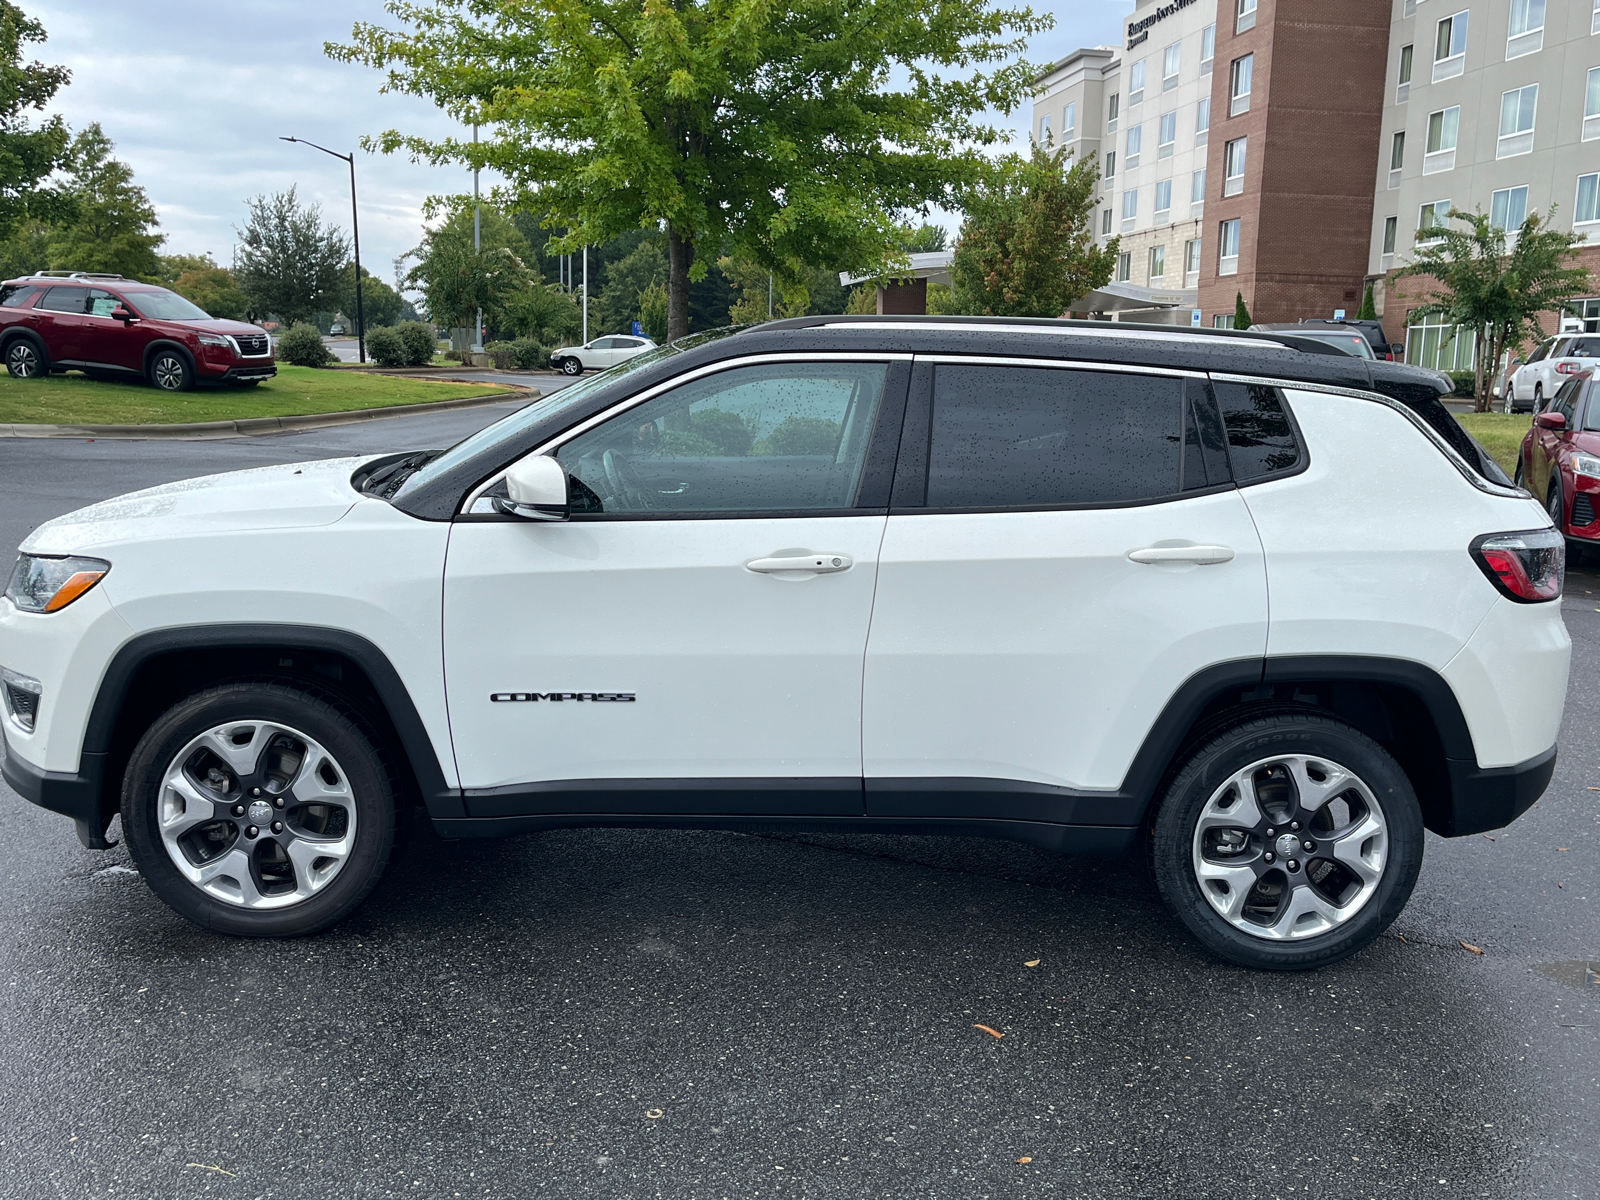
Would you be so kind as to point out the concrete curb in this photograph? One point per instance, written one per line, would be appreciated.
(254, 426)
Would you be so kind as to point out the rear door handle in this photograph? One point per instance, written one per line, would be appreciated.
(816, 564)
(1203, 555)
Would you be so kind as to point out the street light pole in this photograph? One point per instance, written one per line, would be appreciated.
(355, 234)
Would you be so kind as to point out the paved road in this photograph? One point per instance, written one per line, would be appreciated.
(701, 1015)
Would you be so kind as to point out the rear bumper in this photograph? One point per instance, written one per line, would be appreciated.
(1485, 798)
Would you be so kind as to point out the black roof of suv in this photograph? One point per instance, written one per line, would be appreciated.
(1279, 357)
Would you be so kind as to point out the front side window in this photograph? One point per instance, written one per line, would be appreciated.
(1018, 437)
(1588, 205)
(1171, 64)
(1233, 156)
(1228, 239)
(775, 437)
(1239, 84)
(1261, 439)
(1518, 108)
(1136, 82)
(1208, 48)
(1163, 196)
(1508, 208)
(1168, 134)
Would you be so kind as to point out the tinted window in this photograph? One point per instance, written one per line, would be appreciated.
(1539, 352)
(65, 299)
(16, 295)
(1566, 399)
(1260, 436)
(1005, 437)
(1584, 348)
(785, 436)
(604, 344)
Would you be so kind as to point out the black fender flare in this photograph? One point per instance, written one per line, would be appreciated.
(23, 333)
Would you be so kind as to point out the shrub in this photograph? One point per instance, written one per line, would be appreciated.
(502, 354)
(1464, 381)
(302, 346)
(385, 346)
(420, 342)
(530, 355)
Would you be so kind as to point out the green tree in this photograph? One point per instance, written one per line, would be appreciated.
(1483, 281)
(380, 303)
(1027, 245)
(170, 266)
(1241, 314)
(26, 250)
(545, 313)
(214, 289)
(289, 260)
(626, 281)
(1369, 308)
(112, 226)
(785, 133)
(29, 154)
(756, 290)
(653, 311)
(925, 239)
(456, 280)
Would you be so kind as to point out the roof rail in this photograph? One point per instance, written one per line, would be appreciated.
(60, 274)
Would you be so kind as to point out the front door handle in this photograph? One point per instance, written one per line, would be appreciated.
(801, 560)
(1203, 555)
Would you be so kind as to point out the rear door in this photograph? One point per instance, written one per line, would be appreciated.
(1065, 549)
(63, 322)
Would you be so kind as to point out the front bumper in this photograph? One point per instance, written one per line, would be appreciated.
(74, 794)
(244, 373)
(1485, 798)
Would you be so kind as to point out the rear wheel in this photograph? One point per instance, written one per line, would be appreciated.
(1538, 397)
(258, 810)
(23, 359)
(1288, 842)
(170, 371)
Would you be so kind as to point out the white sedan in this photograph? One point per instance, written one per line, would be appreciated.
(599, 354)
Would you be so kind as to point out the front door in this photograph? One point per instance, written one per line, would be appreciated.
(1072, 552)
(1548, 443)
(691, 640)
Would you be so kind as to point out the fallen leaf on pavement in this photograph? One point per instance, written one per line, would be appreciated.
(1402, 937)
(1563, 848)
(1594, 789)
(1034, 963)
(1487, 836)
(1470, 946)
(986, 1029)
(1025, 1158)
(655, 1114)
(209, 1167)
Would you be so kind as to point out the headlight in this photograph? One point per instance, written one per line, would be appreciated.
(44, 585)
(1586, 464)
(215, 339)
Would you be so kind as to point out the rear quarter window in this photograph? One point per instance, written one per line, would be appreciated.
(16, 295)
(1261, 438)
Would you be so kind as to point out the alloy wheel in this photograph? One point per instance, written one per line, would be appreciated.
(1290, 847)
(169, 372)
(22, 360)
(256, 814)
(1553, 502)
(571, 366)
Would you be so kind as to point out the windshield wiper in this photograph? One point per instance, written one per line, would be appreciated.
(385, 478)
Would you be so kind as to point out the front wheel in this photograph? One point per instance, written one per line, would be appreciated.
(171, 372)
(1288, 842)
(258, 810)
(571, 366)
(1553, 502)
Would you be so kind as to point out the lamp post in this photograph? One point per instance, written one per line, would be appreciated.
(355, 233)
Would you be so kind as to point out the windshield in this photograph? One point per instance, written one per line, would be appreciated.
(571, 396)
(162, 305)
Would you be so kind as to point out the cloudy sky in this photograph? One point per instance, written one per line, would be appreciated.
(196, 94)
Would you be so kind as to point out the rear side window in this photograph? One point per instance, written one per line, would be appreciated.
(1584, 348)
(1017, 437)
(1261, 438)
(15, 295)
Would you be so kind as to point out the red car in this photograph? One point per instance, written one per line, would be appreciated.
(1560, 459)
(105, 325)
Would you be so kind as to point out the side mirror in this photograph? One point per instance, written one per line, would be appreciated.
(537, 487)
(1550, 420)
(1397, 349)
(122, 314)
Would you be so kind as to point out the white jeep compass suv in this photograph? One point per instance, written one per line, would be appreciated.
(1258, 607)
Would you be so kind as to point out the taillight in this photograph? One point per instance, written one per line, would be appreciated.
(1569, 368)
(1527, 567)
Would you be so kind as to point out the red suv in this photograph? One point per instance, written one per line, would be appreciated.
(105, 325)
(1560, 459)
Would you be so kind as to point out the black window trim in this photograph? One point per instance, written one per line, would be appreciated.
(1427, 431)
(876, 473)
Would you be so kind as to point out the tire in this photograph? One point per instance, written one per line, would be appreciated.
(170, 371)
(306, 780)
(1538, 397)
(1516, 476)
(1328, 910)
(24, 359)
(1553, 502)
(571, 366)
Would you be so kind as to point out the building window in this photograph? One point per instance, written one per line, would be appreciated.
(1439, 347)
(1222, 321)
(1136, 82)
(1069, 121)
(1044, 128)
(1158, 262)
(1517, 110)
(1591, 105)
(1167, 135)
(1202, 122)
(1130, 206)
(1434, 215)
(1197, 187)
(1397, 151)
(1239, 85)
(1228, 247)
(1135, 141)
(1106, 217)
(1444, 127)
(1247, 16)
(1163, 198)
(1587, 208)
(1233, 155)
(1171, 64)
(1403, 89)
(1191, 262)
(1526, 34)
(1594, 21)
(1208, 47)
(1111, 165)
(1111, 112)
(1125, 266)
(1508, 208)
(1391, 229)
(1450, 47)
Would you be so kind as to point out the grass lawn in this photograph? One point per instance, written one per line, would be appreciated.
(73, 399)
(1498, 433)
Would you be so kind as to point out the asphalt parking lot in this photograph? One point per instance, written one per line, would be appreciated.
(620, 1014)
